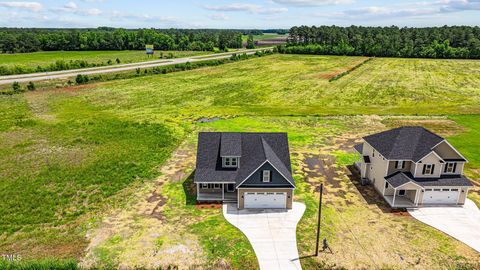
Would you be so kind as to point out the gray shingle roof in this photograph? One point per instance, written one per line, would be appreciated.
(404, 143)
(399, 178)
(358, 148)
(230, 144)
(253, 148)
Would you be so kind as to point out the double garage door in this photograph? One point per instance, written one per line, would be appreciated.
(265, 200)
(441, 196)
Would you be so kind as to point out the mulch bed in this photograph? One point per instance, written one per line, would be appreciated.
(208, 205)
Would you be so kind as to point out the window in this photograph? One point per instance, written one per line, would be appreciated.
(454, 189)
(401, 192)
(266, 176)
(450, 167)
(428, 189)
(216, 186)
(230, 162)
(436, 189)
(386, 184)
(204, 185)
(445, 189)
(373, 153)
(400, 164)
(428, 169)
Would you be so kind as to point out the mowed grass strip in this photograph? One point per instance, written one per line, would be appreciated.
(296, 85)
(43, 59)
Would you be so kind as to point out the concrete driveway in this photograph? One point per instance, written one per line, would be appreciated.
(462, 223)
(272, 233)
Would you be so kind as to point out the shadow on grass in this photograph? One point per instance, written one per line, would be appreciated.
(190, 190)
(368, 192)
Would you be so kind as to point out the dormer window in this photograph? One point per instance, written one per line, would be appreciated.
(230, 162)
(266, 176)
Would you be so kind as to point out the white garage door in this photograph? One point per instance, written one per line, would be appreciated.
(441, 196)
(265, 200)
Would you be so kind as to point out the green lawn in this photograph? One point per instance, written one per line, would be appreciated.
(72, 156)
(298, 85)
(44, 59)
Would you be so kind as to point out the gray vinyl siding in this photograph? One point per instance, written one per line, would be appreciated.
(256, 180)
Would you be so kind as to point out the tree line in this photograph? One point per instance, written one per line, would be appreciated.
(428, 42)
(16, 40)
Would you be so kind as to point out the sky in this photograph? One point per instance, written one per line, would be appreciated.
(240, 14)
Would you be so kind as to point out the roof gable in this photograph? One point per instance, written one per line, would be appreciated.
(255, 179)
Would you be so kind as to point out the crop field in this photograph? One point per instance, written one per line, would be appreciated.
(102, 173)
(43, 59)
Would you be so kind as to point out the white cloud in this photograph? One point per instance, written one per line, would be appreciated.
(219, 17)
(312, 2)
(418, 9)
(72, 7)
(251, 8)
(33, 6)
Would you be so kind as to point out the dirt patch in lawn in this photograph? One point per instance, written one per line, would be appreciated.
(138, 235)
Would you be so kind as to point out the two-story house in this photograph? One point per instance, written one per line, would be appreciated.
(412, 166)
(252, 169)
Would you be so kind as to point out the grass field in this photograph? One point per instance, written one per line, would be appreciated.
(262, 37)
(43, 59)
(91, 172)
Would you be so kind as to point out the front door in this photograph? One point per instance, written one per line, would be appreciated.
(230, 187)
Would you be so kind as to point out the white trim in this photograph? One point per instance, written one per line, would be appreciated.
(416, 197)
(265, 187)
(431, 151)
(259, 168)
(405, 184)
(215, 182)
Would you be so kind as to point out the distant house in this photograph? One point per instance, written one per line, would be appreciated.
(412, 166)
(252, 169)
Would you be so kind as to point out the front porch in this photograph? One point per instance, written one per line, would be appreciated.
(224, 192)
(399, 201)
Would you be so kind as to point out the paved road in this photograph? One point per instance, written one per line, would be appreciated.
(272, 233)
(41, 76)
(462, 223)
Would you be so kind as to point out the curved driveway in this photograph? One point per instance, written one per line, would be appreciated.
(460, 222)
(272, 233)
(42, 76)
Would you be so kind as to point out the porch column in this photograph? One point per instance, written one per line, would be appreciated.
(198, 189)
(223, 191)
(416, 197)
(394, 193)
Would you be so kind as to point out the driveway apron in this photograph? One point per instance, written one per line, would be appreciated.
(272, 233)
(460, 222)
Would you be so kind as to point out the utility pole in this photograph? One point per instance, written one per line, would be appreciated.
(319, 218)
